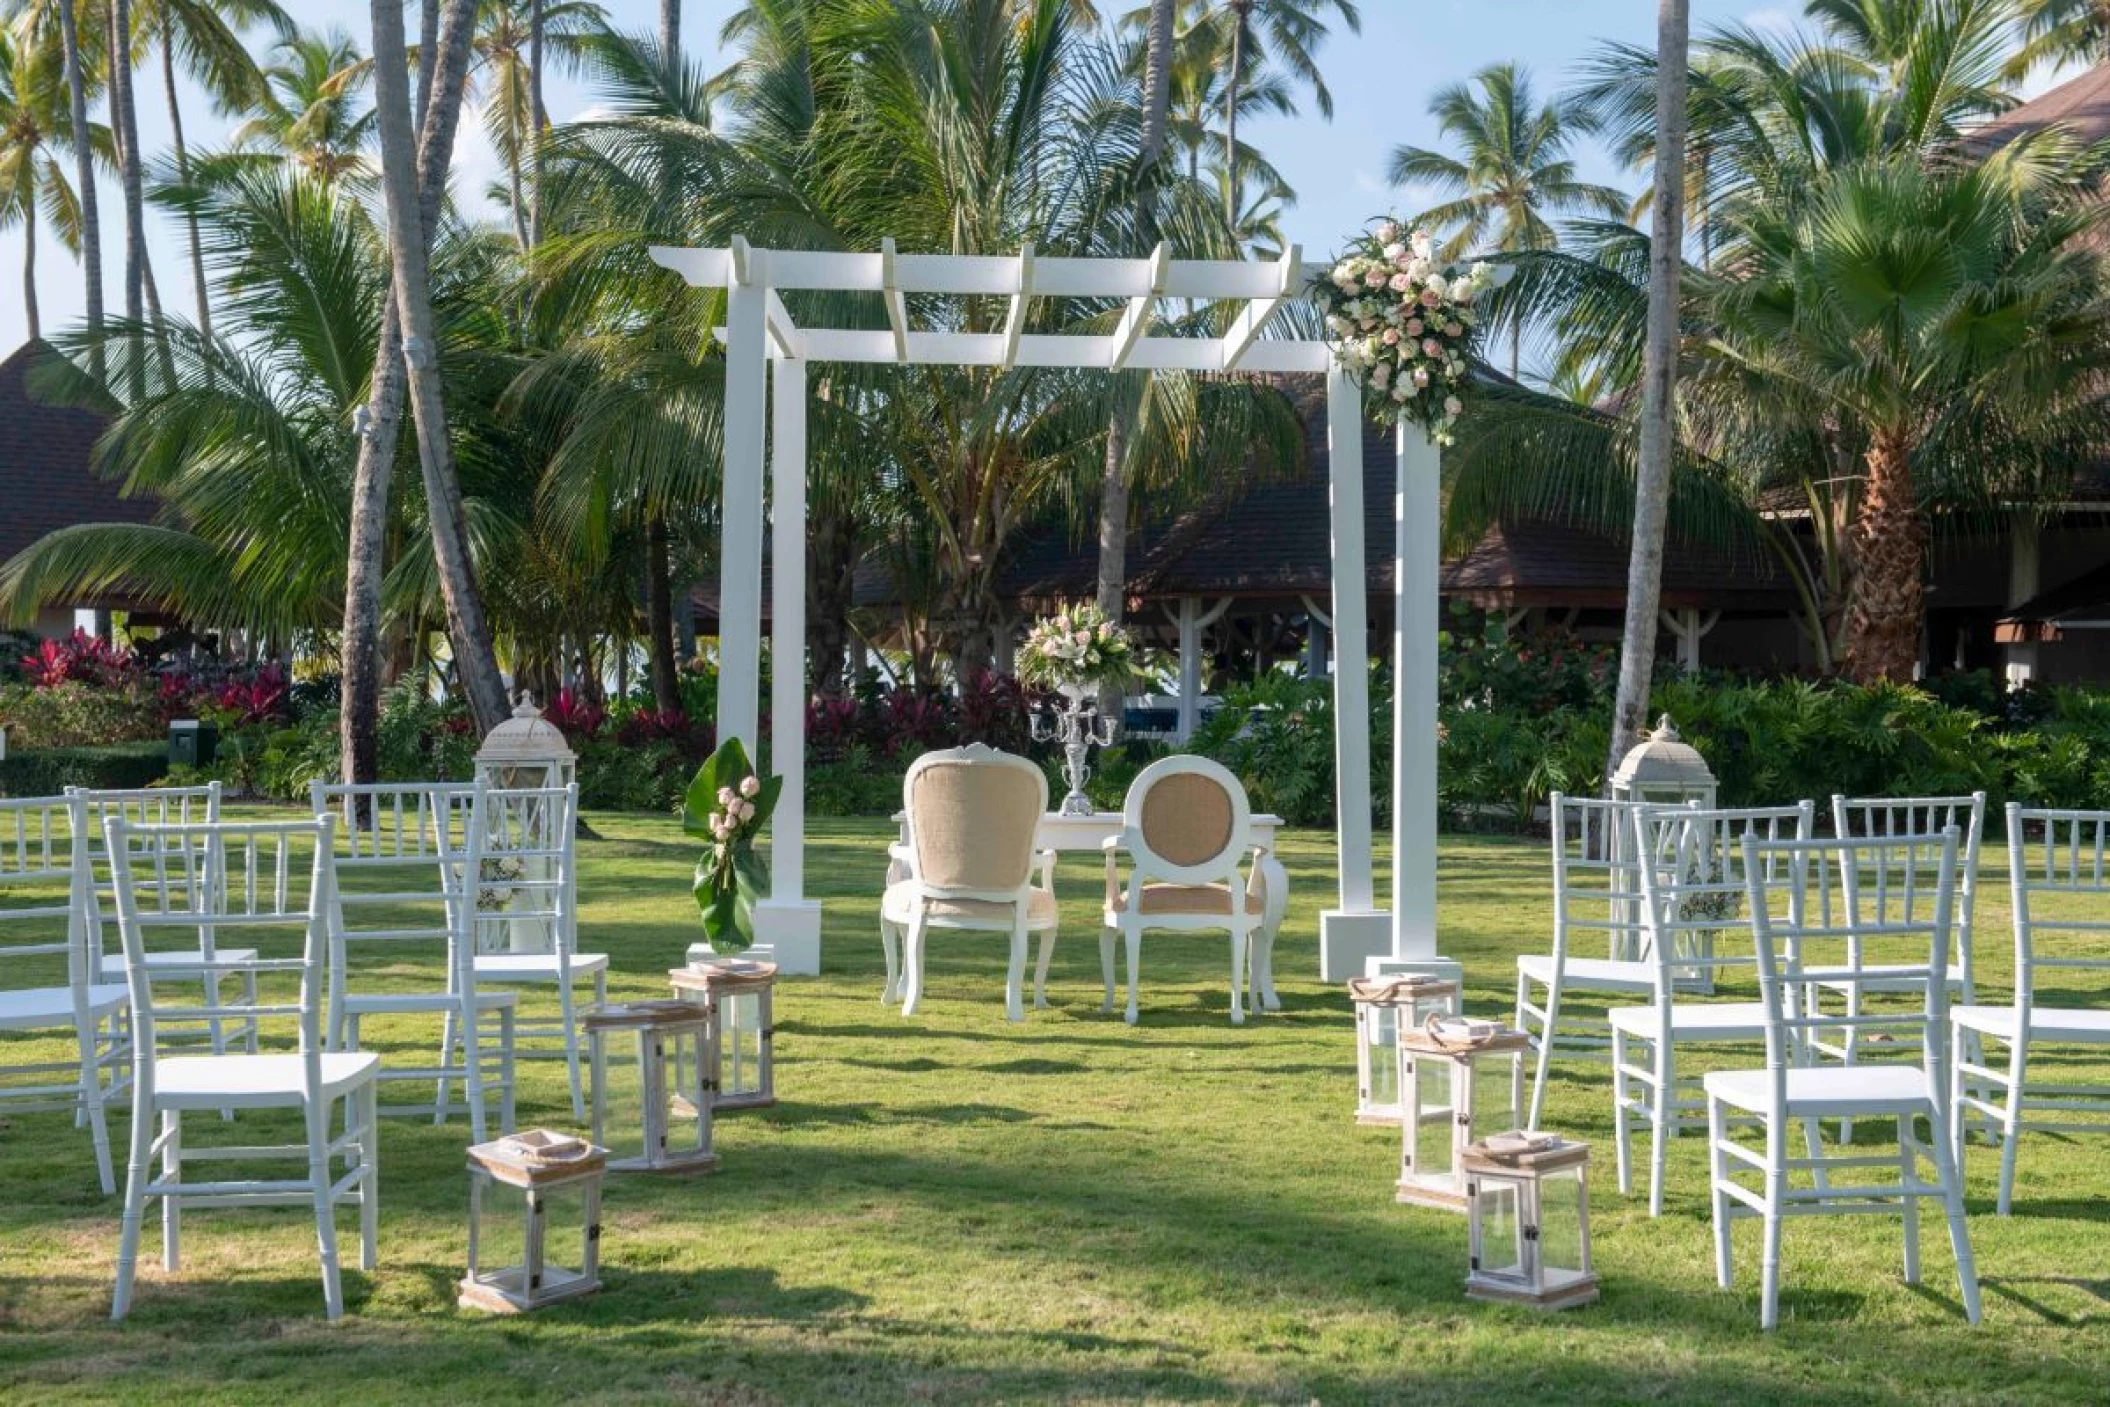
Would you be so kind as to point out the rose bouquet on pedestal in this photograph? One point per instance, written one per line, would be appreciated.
(1076, 650)
(1405, 325)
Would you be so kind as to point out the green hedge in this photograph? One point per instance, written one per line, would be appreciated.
(49, 771)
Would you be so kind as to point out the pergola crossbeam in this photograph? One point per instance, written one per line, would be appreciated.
(1135, 321)
(993, 275)
(1015, 323)
(896, 302)
(1256, 314)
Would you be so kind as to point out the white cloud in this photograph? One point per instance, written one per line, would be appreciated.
(1772, 19)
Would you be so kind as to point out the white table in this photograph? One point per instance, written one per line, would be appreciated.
(1059, 834)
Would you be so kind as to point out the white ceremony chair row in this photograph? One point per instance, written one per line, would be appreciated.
(51, 980)
(2060, 882)
(1802, 947)
(172, 884)
(401, 865)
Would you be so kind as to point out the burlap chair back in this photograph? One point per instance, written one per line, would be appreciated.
(1188, 818)
(972, 817)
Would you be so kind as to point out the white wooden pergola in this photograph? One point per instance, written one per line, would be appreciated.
(767, 354)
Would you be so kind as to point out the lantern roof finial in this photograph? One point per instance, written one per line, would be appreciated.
(1663, 759)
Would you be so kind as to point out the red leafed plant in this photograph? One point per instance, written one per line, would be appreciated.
(575, 715)
(81, 656)
(258, 699)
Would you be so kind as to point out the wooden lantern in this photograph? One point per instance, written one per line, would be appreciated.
(555, 1179)
(652, 1094)
(742, 996)
(1384, 1007)
(1530, 1221)
(1458, 1080)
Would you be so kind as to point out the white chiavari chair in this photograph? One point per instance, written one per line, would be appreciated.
(522, 912)
(47, 982)
(400, 864)
(269, 882)
(1596, 889)
(161, 806)
(1842, 941)
(2059, 875)
(1694, 929)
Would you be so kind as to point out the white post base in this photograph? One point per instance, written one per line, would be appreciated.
(787, 933)
(1348, 941)
(1387, 965)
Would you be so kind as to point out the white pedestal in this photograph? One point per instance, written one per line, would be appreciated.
(787, 933)
(1349, 941)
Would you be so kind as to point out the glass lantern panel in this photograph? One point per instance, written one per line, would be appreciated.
(564, 1232)
(1435, 1129)
(1501, 1229)
(619, 1093)
(1381, 1034)
(683, 1055)
(1494, 1107)
(501, 1235)
(740, 1059)
(1560, 1222)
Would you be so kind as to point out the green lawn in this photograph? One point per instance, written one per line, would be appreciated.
(952, 1209)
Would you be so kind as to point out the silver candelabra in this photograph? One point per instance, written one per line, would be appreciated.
(1079, 728)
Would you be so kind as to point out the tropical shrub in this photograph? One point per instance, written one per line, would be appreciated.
(49, 771)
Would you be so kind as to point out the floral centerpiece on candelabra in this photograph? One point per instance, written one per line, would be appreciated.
(1405, 325)
(1074, 652)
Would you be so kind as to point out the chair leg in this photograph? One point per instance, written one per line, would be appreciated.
(1776, 1191)
(912, 956)
(171, 1205)
(1662, 1117)
(1106, 966)
(472, 1069)
(890, 949)
(1015, 973)
(1132, 938)
(1717, 1131)
(1959, 1233)
(1040, 968)
(506, 1041)
(1622, 1127)
(1266, 969)
(318, 1122)
(1907, 1172)
(1238, 956)
(571, 1043)
(447, 1041)
(91, 1104)
(1545, 1043)
(370, 1180)
(135, 1201)
(2011, 1119)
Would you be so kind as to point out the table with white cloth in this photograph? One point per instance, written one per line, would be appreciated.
(1061, 834)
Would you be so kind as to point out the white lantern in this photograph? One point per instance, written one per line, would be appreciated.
(652, 1097)
(526, 751)
(741, 994)
(1458, 1080)
(1529, 1215)
(1385, 1006)
(553, 1182)
(1664, 770)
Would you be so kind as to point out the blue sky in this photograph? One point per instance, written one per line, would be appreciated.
(1381, 81)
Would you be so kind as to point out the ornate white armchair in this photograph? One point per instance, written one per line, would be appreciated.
(972, 816)
(1186, 825)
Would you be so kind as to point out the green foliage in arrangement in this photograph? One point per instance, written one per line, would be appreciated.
(729, 806)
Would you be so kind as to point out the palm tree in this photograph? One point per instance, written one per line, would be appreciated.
(312, 111)
(510, 78)
(204, 42)
(1513, 170)
(84, 173)
(1659, 387)
(33, 184)
(140, 297)
(1249, 35)
(2062, 31)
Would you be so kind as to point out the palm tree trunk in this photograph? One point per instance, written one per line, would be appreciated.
(131, 182)
(29, 273)
(538, 121)
(360, 662)
(1239, 10)
(467, 628)
(1886, 600)
(831, 579)
(518, 201)
(670, 30)
(84, 183)
(197, 253)
(428, 58)
(659, 617)
(1644, 579)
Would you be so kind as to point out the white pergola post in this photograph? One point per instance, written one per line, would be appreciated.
(740, 505)
(2024, 580)
(1417, 545)
(1357, 930)
(787, 923)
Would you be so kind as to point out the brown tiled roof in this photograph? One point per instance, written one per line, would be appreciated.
(2081, 105)
(1548, 564)
(2045, 615)
(45, 451)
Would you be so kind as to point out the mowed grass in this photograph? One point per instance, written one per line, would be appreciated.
(951, 1208)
